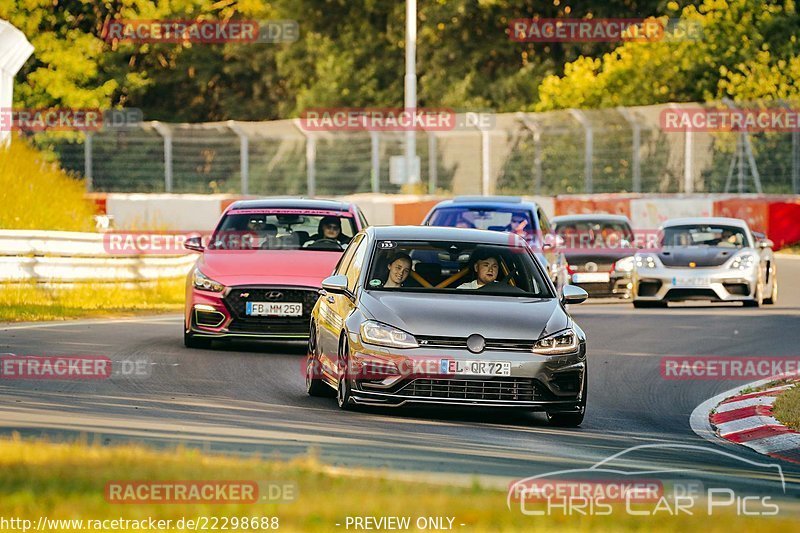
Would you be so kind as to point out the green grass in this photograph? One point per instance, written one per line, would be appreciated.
(62, 481)
(30, 302)
(787, 407)
(37, 194)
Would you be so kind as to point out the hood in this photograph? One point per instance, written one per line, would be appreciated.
(273, 267)
(457, 315)
(703, 256)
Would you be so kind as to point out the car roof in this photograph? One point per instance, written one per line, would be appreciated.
(291, 203)
(688, 221)
(591, 217)
(486, 202)
(443, 233)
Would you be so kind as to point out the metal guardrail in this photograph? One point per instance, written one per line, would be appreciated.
(67, 257)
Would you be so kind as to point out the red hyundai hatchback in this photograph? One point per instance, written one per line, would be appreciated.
(259, 275)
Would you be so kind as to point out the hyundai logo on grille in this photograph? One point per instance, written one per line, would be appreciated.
(476, 343)
(591, 267)
(273, 295)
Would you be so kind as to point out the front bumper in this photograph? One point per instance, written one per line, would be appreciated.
(536, 382)
(618, 286)
(222, 315)
(681, 284)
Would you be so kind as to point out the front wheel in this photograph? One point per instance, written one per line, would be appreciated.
(315, 386)
(344, 397)
(773, 296)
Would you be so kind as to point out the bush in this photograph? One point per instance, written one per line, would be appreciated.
(37, 194)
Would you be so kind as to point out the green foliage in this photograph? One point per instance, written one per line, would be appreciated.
(350, 53)
(749, 51)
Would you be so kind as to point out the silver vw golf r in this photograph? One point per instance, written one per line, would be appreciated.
(446, 316)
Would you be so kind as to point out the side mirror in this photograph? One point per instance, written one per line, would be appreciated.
(336, 284)
(765, 243)
(572, 294)
(194, 243)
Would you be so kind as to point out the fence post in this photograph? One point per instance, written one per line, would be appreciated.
(375, 171)
(796, 162)
(636, 143)
(433, 167)
(485, 168)
(311, 159)
(244, 155)
(537, 150)
(166, 133)
(88, 164)
(587, 156)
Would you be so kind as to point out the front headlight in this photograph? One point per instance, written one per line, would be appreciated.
(384, 335)
(562, 342)
(645, 261)
(201, 281)
(743, 262)
(624, 265)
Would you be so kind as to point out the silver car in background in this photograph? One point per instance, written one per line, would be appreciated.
(707, 258)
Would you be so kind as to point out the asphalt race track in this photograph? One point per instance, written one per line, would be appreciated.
(250, 397)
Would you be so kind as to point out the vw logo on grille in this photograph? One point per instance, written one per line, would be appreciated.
(591, 267)
(273, 295)
(476, 343)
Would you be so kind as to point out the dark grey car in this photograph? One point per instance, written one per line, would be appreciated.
(446, 316)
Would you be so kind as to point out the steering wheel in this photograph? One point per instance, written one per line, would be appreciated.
(325, 244)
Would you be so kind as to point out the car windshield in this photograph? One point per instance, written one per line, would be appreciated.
(283, 229)
(499, 219)
(594, 233)
(703, 235)
(454, 267)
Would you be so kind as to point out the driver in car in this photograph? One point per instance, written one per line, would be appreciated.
(399, 269)
(486, 267)
(329, 229)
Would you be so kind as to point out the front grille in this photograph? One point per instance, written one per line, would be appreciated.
(691, 294)
(461, 343)
(241, 323)
(503, 389)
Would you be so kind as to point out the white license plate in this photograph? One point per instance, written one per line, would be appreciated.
(691, 282)
(476, 368)
(591, 277)
(274, 309)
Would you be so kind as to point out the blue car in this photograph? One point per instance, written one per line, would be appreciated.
(510, 214)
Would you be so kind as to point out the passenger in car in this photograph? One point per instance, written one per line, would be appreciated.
(486, 267)
(330, 229)
(399, 268)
